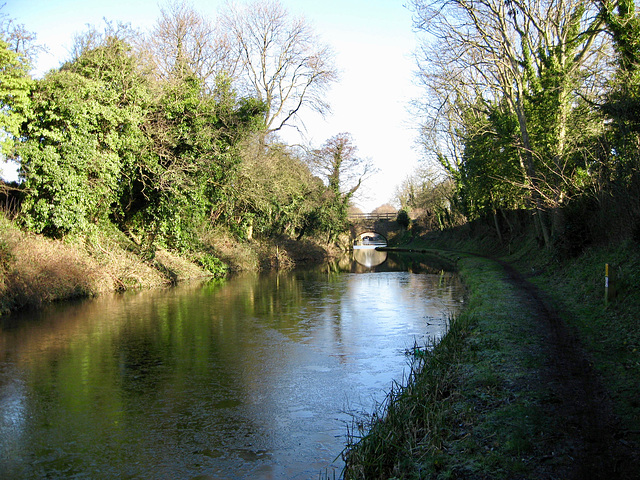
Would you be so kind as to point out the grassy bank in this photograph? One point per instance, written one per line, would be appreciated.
(494, 398)
(608, 330)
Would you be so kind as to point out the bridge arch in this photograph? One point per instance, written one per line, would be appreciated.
(381, 223)
(370, 238)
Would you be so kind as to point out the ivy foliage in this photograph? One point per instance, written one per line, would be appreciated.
(69, 160)
(15, 84)
(489, 159)
(82, 129)
(103, 141)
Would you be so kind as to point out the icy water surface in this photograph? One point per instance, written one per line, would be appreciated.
(256, 377)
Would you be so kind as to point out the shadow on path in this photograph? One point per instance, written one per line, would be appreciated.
(581, 403)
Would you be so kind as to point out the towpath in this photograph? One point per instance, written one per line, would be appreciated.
(582, 405)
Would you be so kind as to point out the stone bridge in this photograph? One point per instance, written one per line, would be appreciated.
(383, 223)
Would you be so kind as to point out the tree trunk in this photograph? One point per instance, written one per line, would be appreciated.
(497, 225)
(530, 172)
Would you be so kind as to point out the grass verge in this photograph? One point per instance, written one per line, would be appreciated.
(609, 330)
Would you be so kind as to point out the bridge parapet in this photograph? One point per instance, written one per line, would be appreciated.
(372, 216)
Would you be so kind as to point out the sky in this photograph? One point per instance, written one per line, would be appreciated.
(373, 41)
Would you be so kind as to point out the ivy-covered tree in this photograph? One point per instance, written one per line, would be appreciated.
(622, 105)
(275, 191)
(106, 140)
(71, 172)
(192, 160)
(619, 169)
(338, 164)
(83, 128)
(490, 176)
(15, 84)
(538, 58)
(103, 142)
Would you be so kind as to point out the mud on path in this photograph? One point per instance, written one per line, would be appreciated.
(586, 425)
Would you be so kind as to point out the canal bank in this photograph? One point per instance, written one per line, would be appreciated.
(36, 270)
(517, 388)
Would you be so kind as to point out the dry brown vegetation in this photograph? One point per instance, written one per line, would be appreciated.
(238, 256)
(278, 253)
(36, 270)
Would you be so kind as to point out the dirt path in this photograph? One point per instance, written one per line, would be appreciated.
(586, 423)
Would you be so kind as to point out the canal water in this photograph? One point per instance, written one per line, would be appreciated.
(256, 377)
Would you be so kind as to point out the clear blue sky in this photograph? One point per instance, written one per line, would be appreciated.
(373, 41)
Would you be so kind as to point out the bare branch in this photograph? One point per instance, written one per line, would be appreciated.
(283, 62)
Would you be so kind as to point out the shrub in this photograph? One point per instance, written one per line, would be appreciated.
(213, 264)
(403, 219)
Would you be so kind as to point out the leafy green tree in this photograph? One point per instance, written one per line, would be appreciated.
(105, 143)
(193, 158)
(162, 158)
(70, 167)
(275, 191)
(618, 192)
(15, 84)
(403, 219)
(490, 176)
(83, 127)
(623, 100)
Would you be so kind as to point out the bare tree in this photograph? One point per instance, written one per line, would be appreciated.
(183, 41)
(93, 37)
(18, 38)
(283, 63)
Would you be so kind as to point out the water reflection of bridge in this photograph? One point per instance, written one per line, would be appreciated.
(365, 249)
(369, 257)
